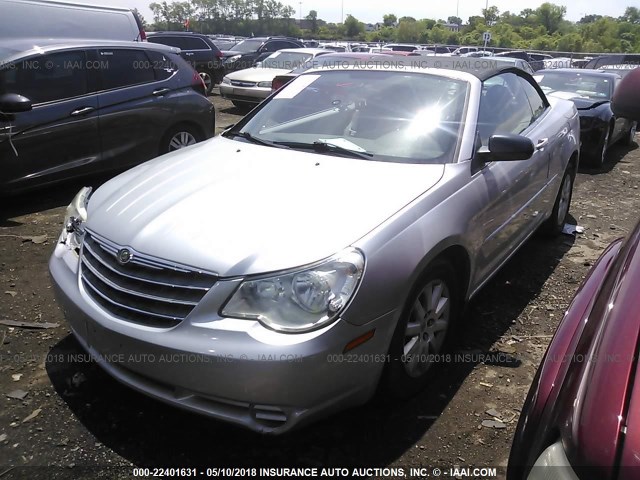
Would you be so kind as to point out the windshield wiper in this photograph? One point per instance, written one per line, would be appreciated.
(327, 147)
(256, 140)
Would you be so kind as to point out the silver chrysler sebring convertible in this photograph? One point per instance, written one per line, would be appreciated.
(321, 248)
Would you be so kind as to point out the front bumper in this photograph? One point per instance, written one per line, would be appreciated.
(591, 138)
(244, 94)
(234, 370)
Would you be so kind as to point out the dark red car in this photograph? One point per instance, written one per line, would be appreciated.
(583, 410)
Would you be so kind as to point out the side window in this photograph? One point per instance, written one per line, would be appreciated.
(125, 67)
(170, 41)
(285, 44)
(194, 44)
(504, 107)
(162, 64)
(535, 100)
(269, 47)
(47, 78)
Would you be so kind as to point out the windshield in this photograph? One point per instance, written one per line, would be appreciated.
(246, 46)
(585, 85)
(286, 60)
(385, 115)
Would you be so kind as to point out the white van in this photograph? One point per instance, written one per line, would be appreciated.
(59, 19)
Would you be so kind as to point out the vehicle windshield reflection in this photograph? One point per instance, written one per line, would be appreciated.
(394, 116)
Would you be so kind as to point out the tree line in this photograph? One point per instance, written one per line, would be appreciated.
(543, 28)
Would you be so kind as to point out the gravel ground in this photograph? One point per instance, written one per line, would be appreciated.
(75, 416)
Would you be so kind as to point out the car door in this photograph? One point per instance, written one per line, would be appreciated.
(197, 52)
(132, 119)
(58, 138)
(510, 187)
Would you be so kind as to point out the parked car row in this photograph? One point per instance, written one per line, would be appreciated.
(153, 264)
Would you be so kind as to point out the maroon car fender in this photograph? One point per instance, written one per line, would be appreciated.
(533, 433)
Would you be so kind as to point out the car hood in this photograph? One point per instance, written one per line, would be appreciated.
(257, 74)
(581, 103)
(236, 208)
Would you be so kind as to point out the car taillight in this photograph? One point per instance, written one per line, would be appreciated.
(219, 54)
(143, 35)
(278, 83)
(197, 83)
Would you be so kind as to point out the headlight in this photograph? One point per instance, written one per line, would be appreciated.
(226, 81)
(264, 84)
(302, 300)
(74, 217)
(232, 59)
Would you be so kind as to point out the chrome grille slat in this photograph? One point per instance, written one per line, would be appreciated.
(115, 286)
(144, 290)
(126, 307)
(112, 265)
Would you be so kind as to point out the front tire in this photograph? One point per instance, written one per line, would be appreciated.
(630, 136)
(598, 159)
(554, 225)
(424, 331)
(179, 137)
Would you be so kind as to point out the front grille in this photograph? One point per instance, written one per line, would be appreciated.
(238, 83)
(145, 290)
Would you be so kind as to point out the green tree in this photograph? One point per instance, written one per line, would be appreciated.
(353, 27)
(491, 15)
(631, 15)
(570, 43)
(389, 20)
(454, 20)
(408, 32)
(313, 18)
(589, 18)
(551, 16)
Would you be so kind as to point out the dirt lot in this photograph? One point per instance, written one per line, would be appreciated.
(74, 415)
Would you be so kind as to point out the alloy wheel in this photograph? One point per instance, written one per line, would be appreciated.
(426, 327)
(181, 140)
(208, 81)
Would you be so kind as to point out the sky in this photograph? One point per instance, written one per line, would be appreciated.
(372, 11)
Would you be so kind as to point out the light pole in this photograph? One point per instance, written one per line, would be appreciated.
(342, 10)
(457, 7)
(300, 3)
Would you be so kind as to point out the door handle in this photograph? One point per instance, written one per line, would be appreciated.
(160, 92)
(542, 143)
(82, 111)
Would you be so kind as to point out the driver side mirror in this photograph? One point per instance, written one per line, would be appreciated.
(506, 148)
(14, 103)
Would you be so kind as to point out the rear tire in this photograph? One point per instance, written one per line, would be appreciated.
(555, 223)
(424, 331)
(208, 79)
(244, 106)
